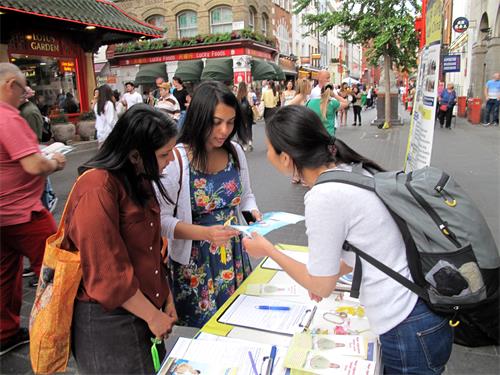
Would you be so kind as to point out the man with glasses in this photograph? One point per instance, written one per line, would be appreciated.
(24, 223)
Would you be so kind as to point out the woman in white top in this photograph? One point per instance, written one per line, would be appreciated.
(413, 339)
(105, 113)
(288, 94)
(168, 102)
(209, 181)
(303, 91)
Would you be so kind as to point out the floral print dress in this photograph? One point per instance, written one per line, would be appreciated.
(202, 286)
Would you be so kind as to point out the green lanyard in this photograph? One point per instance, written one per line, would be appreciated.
(154, 353)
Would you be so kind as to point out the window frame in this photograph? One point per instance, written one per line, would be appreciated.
(264, 29)
(221, 24)
(156, 15)
(180, 30)
(251, 19)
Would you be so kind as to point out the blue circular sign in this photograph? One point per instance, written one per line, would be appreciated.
(460, 24)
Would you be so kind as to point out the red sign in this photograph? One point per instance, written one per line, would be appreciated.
(184, 56)
(255, 53)
(41, 44)
(239, 77)
(67, 66)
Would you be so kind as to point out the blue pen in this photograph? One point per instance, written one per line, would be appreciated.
(274, 308)
(272, 358)
(252, 362)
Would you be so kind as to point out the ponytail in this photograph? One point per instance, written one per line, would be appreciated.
(299, 132)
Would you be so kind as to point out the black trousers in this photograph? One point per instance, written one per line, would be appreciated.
(448, 114)
(357, 113)
(115, 342)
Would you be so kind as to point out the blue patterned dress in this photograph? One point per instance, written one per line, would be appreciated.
(202, 286)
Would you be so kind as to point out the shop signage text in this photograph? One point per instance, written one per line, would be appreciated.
(194, 56)
(43, 43)
(66, 66)
(460, 24)
(451, 63)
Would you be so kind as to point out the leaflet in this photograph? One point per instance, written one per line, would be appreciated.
(60, 147)
(221, 355)
(299, 256)
(268, 314)
(271, 290)
(270, 221)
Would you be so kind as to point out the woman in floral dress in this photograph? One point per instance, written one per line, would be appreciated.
(210, 184)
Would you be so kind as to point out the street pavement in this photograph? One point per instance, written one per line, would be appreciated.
(470, 153)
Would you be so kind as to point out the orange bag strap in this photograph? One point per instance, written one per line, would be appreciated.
(60, 228)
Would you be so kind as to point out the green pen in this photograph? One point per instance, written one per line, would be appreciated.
(154, 353)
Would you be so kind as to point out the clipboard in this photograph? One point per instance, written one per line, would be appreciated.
(297, 319)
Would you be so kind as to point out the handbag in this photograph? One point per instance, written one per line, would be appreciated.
(52, 312)
(443, 107)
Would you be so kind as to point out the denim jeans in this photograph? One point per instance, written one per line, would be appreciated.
(115, 342)
(420, 344)
(491, 106)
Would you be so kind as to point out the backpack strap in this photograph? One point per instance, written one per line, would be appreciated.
(181, 166)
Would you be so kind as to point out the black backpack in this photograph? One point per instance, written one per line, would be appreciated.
(46, 130)
(452, 256)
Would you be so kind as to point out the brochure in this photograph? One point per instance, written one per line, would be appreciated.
(270, 221)
(60, 147)
(178, 366)
(329, 354)
(271, 290)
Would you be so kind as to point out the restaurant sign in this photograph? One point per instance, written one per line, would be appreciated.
(38, 43)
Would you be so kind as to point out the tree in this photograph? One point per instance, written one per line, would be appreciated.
(385, 27)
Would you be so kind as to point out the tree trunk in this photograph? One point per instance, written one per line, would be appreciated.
(387, 89)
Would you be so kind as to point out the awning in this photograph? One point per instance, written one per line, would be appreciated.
(261, 69)
(279, 76)
(190, 70)
(148, 73)
(218, 70)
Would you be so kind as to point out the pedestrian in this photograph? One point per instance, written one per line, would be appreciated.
(246, 104)
(93, 102)
(120, 108)
(25, 223)
(70, 105)
(182, 117)
(447, 101)
(113, 220)
(105, 114)
(323, 79)
(270, 98)
(30, 112)
(210, 183)
(168, 102)
(356, 104)
(344, 93)
(492, 95)
(369, 97)
(180, 92)
(303, 92)
(326, 107)
(131, 97)
(413, 338)
(288, 94)
(155, 94)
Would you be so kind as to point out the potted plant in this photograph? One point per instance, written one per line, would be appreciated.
(62, 129)
(86, 126)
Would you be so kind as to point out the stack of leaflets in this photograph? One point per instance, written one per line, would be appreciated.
(49, 150)
(329, 354)
(344, 283)
(270, 221)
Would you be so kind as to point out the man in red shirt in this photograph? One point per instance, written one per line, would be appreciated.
(24, 223)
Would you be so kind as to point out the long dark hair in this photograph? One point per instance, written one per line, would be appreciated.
(105, 95)
(200, 121)
(299, 132)
(141, 128)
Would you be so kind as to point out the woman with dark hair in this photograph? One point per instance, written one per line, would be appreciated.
(414, 339)
(113, 220)
(288, 94)
(105, 113)
(246, 103)
(356, 104)
(210, 183)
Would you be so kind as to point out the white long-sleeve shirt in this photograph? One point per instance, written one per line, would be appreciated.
(105, 122)
(180, 250)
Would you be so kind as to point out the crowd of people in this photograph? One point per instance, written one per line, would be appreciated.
(154, 180)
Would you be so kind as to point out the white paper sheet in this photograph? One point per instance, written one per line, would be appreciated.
(297, 255)
(215, 354)
(243, 312)
(270, 221)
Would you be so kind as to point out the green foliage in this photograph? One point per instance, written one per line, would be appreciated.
(59, 119)
(385, 27)
(156, 44)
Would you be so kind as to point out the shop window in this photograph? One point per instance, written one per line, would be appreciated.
(54, 81)
(251, 19)
(156, 20)
(187, 24)
(221, 20)
(265, 21)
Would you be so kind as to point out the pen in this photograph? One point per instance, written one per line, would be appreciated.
(252, 362)
(274, 308)
(272, 357)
